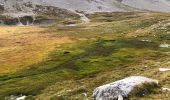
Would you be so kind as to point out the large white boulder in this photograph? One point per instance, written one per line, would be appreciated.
(119, 88)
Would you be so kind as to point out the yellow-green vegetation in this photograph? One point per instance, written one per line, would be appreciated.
(61, 62)
(144, 89)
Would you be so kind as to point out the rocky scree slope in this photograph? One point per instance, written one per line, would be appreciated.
(68, 8)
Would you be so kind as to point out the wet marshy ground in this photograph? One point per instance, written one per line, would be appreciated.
(83, 57)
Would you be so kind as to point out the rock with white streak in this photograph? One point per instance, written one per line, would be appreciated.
(120, 88)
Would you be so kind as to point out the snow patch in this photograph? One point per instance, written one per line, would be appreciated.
(21, 98)
(83, 17)
(164, 69)
(71, 25)
(165, 45)
(13, 97)
(119, 88)
(146, 40)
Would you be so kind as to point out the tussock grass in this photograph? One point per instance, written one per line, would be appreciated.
(145, 89)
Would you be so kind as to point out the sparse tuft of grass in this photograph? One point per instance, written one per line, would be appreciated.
(145, 89)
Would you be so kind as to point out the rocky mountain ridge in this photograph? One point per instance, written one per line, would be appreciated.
(69, 8)
(88, 6)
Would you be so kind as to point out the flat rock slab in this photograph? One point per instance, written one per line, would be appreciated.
(119, 88)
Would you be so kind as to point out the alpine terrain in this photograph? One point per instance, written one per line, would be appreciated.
(84, 49)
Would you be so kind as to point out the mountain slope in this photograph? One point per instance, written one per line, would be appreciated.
(72, 9)
(61, 62)
(87, 6)
(153, 5)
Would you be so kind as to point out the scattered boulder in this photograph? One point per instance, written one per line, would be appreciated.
(120, 89)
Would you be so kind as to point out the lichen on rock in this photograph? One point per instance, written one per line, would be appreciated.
(119, 88)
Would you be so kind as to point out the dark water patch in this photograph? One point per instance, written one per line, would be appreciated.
(27, 20)
(10, 21)
(44, 21)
